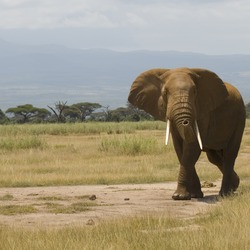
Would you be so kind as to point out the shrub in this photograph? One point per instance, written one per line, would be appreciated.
(12, 143)
(129, 145)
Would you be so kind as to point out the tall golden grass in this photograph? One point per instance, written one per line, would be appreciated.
(98, 153)
(89, 153)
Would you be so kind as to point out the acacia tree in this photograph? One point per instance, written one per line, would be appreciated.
(120, 114)
(58, 110)
(3, 117)
(135, 114)
(27, 112)
(248, 110)
(107, 114)
(81, 110)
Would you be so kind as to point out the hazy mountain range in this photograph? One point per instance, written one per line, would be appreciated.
(43, 75)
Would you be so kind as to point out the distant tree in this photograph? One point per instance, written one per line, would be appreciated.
(120, 114)
(106, 114)
(81, 110)
(71, 113)
(129, 113)
(135, 114)
(248, 110)
(27, 112)
(3, 118)
(58, 111)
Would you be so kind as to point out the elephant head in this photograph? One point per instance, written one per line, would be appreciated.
(178, 96)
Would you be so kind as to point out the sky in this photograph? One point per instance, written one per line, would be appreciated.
(209, 27)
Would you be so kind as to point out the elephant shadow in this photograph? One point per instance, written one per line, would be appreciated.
(210, 199)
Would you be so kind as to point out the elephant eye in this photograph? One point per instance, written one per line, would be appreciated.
(164, 92)
(194, 90)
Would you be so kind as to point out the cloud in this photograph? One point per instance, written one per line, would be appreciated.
(52, 14)
(195, 25)
(113, 13)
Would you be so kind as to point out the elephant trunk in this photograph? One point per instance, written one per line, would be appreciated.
(185, 127)
(184, 119)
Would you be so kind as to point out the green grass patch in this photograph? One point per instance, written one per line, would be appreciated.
(130, 145)
(30, 142)
(51, 198)
(79, 128)
(17, 209)
(82, 197)
(77, 207)
(6, 197)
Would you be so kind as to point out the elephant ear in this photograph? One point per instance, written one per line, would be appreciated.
(211, 91)
(145, 93)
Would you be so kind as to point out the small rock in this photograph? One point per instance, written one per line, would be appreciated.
(92, 197)
(32, 194)
(207, 184)
(126, 199)
(90, 222)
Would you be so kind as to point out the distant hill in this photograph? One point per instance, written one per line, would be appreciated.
(43, 75)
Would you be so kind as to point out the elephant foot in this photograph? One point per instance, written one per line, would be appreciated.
(224, 193)
(235, 181)
(229, 189)
(186, 195)
(197, 194)
(195, 191)
(181, 196)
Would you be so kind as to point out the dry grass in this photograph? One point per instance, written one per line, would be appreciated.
(83, 158)
(72, 155)
(226, 227)
(36, 155)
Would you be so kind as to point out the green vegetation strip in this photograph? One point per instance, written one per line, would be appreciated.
(30, 142)
(17, 209)
(79, 128)
(71, 209)
(6, 197)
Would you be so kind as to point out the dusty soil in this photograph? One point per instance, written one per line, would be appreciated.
(59, 206)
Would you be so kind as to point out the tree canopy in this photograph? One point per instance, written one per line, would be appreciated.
(81, 110)
(248, 110)
(27, 112)
(78, 112)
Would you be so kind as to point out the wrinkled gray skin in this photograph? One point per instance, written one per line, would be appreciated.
(187, 97)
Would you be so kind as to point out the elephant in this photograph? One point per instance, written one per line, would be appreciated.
(202, 113)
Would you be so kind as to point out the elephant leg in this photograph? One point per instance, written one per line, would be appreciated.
(188, 184)
(195, 186)
(230, 180)
(188, 181)
(216, 157)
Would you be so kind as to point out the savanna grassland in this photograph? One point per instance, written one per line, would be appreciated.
(115, 153)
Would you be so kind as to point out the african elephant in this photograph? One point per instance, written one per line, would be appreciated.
(203, 113)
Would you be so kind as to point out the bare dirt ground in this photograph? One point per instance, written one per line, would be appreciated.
(62, 206)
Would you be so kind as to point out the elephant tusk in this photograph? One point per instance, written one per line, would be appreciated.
(167, 132)
(198, 135)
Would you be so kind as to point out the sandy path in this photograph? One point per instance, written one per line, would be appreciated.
(112, 201)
